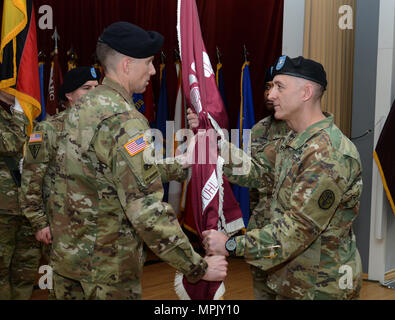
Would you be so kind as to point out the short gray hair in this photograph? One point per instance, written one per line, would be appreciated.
(107, 56)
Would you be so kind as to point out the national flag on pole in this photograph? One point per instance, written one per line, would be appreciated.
(72, 61)
(214, 206)
(384, 157)
(42, 115)
(176, 189)
(18, 56)
(161, 117)
(138, 100)
(144, 103)
(245, 124)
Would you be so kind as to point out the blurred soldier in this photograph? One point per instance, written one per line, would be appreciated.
(39, 164)
(308, 249)
(107, 199)
(77, 83)
(19, 251)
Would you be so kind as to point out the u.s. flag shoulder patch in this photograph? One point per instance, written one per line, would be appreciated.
(36, 137)
(136, 145)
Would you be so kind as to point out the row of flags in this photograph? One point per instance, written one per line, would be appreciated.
(19, 74)
(203, 201)
(206, 197)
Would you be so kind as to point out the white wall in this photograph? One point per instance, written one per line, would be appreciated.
(293, 28)
(382, 222)
(382, 230)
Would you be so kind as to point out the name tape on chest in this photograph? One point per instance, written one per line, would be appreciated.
(136, 145)
(36, 137)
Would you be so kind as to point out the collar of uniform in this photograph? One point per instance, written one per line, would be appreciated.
(301, 138)
(117, 87)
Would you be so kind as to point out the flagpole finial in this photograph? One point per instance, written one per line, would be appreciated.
(71, 53)
(245, 53)
(177, 57)
(162, 57)
(219, 55)
(41, 56)
(56, 37)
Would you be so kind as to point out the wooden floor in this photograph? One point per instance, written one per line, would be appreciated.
(158, 279)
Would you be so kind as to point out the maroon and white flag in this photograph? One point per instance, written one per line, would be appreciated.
(214, 206)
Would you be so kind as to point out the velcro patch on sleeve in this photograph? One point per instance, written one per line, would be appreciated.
(136, 145)
(36, 137)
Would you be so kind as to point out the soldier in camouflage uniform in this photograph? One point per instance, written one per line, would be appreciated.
(39, 163)
(19, 251)
(106, 197)
(308, 250)
(264, 136)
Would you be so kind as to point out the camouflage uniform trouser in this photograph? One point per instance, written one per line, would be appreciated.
(261, 290)
(69, 289)
(20, 256)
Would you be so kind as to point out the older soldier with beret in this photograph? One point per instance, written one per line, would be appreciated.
(308, 249)
(107, 203)
(19, 251)
(39, 163)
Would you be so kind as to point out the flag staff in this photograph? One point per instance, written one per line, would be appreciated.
(41, 56)
(177, 56)
(162, 57)
(245, 53)
(219, 55)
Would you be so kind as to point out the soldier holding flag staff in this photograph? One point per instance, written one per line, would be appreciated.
(308, 248)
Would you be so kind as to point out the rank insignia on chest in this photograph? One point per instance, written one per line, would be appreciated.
(35, 137)
(136, 145)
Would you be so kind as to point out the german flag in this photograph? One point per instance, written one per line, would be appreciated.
(384, 156)
(18, 56)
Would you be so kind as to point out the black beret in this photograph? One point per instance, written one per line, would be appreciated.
(132, 40)
(75, 78)
(301, 68)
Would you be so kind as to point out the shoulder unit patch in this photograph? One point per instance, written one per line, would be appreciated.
(326, 200)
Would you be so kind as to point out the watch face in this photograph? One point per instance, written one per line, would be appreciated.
(230, 245)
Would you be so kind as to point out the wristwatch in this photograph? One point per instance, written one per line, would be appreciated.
(230, 246)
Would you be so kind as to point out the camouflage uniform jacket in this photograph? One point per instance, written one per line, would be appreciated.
(264, 136)
(39, 170)
(107, 199)
(316, 195)
(12, 135)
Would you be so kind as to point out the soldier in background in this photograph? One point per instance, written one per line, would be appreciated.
(309, 242)
(107, 199)
(39, 171)
(264, 136)
(19, 251)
